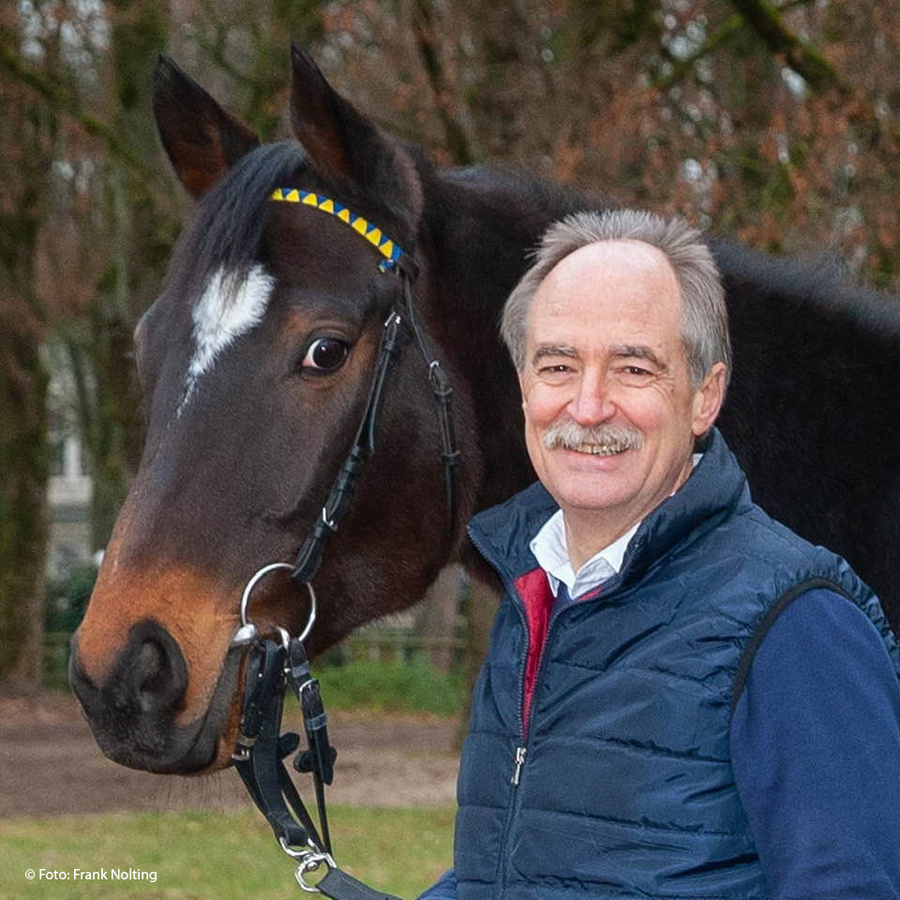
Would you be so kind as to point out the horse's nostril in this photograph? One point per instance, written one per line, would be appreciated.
(133, 705)
(151, 671)
(158, 677)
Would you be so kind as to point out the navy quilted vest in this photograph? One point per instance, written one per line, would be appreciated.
(612, 779)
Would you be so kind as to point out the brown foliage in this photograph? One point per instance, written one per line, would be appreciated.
(679, 106)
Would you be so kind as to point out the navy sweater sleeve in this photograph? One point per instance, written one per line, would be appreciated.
(815, 742)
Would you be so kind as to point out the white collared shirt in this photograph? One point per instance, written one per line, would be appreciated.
(551, 551)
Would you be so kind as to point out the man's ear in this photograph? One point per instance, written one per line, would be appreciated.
(708, 400)
(202, 140)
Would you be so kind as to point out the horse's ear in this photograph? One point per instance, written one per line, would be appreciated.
(202, 140)
(342, 144)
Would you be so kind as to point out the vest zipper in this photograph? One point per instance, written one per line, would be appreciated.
(520, 761)
(525, 732)
(521, 751)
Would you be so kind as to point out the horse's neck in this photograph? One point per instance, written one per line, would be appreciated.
(480, 228)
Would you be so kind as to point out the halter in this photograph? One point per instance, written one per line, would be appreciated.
(273, 665)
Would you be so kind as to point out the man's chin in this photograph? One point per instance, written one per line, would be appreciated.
(593, 481)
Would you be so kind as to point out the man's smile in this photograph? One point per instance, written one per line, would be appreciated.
(599, 449)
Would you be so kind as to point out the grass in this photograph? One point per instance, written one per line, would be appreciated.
(397, 686)
(202, 855)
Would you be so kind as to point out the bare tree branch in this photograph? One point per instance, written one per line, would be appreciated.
(63, 100)
(766, 20)
(729, 29)
(681, 68)
(424, 28)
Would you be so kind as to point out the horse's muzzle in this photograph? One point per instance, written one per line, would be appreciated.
(132, 714)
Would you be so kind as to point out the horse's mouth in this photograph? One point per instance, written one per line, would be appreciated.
(156, 743)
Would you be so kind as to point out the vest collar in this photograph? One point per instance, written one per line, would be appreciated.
(715, 488)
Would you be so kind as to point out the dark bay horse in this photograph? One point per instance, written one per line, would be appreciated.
(256, 362)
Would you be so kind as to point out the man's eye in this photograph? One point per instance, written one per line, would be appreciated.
(326, 354)
(636, 375)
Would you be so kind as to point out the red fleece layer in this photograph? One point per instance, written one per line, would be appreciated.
(537, 601)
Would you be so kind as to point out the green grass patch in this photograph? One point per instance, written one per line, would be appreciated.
(215, 856)
(396, 686)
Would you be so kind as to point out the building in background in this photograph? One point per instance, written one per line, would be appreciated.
(70, 487)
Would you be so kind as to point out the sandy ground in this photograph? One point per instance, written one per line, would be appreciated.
(50, 765)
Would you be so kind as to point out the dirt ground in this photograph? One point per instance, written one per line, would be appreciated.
(50, 765)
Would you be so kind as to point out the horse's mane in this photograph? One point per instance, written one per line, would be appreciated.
(227, 226)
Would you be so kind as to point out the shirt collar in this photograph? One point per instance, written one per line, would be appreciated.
(552, 553)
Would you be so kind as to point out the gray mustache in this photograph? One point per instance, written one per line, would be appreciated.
(570, 435)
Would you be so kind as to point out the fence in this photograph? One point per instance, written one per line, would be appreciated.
(378, 642)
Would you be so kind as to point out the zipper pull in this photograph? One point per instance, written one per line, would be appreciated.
(520, 761)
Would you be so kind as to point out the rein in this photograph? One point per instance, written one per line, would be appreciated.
(274, 665)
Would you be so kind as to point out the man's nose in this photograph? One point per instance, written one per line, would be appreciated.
(593, 401)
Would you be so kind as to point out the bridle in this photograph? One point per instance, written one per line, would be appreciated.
(276, 663)
(342, 490)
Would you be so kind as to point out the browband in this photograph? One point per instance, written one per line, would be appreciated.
(391, 251)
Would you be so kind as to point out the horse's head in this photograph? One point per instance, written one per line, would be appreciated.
(256, 363)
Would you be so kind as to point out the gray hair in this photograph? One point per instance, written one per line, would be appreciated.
(704, 317)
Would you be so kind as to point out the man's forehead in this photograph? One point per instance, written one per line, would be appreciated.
(607, 294)
(608, 276)
(613, 259)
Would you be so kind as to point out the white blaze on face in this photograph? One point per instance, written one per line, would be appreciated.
(221, 316)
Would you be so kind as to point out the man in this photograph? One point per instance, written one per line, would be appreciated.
(682, 698)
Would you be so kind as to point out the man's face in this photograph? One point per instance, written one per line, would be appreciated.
(604, 351)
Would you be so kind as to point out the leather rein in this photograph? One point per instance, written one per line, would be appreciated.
(276, 663)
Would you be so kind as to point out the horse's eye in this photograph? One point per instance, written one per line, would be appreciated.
(325, 354)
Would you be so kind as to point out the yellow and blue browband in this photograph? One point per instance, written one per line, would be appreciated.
(375, 236)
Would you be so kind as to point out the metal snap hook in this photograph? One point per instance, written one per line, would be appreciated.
(312, 864)
(310, 858)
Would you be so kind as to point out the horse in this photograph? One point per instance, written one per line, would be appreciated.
(256, 364)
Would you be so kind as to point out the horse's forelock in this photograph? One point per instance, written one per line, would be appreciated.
(226, 231)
